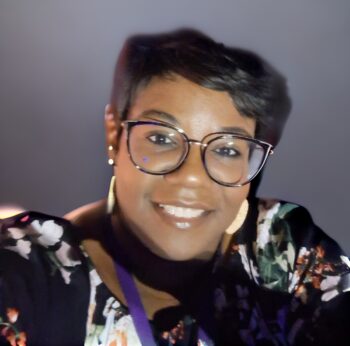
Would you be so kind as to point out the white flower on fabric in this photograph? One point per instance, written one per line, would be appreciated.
(303, 252)
(345, 260)
(282, 262)
(108, 329)
(111, 304)
(264, 224)
(95, 280)
(330, 285)
(65, 275)
(16, 233)
(290, 254)
(242, 251)
(329, 282)
(64, 257)
(22, 247)
(254, 271)
(121, 332)
(65, 260)
(294, 279)
(248, 265)
(329, 295)
(50, 232)
(110, 311)
(125, 326)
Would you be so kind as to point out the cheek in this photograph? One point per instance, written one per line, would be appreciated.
(128, 180)
(132, 186)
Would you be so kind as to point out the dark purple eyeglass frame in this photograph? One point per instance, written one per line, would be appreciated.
(129, 124)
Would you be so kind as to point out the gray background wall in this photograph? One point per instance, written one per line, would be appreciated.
(56, 62)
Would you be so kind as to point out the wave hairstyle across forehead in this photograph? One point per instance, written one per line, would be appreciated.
(256, 88)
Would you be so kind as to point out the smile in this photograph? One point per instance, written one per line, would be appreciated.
(181, 212)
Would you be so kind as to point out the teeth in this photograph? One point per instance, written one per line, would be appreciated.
(183, 225)
(186, 213)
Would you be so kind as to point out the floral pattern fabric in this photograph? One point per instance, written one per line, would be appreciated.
(282, 282)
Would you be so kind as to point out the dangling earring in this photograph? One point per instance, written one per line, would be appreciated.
(111, 193)
(240, 218)
(111, 196)
(110, 160)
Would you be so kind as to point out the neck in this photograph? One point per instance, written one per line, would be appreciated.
(179, 278)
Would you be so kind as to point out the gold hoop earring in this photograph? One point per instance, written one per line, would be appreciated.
(240, 218)
(111, 196)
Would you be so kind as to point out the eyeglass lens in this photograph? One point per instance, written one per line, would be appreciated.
(158, 149)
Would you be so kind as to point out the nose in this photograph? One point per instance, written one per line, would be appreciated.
(191, 173)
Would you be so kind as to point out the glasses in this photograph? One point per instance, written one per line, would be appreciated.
(229, 159)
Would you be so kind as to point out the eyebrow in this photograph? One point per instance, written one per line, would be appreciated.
(154, 114)
(157, 115)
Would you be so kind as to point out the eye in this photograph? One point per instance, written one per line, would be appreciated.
(160, 139)
(227, 152)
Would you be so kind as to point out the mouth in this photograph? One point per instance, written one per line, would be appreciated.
(182, 217)
(181, 212)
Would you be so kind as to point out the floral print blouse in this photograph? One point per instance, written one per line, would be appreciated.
(282, 282)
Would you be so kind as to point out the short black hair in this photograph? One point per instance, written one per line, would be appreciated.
(256, 88)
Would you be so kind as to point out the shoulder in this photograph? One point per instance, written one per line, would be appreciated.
(38, 228)
(42, 268)
(290, 245)
(282, 220)
(273, 208)
(36, 242)
(88, 218)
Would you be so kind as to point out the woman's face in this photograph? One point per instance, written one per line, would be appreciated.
(181, 215)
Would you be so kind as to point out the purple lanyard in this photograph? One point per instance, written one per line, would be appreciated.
(137, 310)
(135, 306)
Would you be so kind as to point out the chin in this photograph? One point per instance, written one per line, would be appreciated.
(180, 253)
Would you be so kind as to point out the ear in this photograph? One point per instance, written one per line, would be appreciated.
(112, 125)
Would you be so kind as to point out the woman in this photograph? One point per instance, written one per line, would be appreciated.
(181, 252)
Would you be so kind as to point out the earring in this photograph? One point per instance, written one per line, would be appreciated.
(110, 161)
(240, 218)
(111, 196)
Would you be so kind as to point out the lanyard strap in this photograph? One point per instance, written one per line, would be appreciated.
(136, 309)
(135, 305)
(138, 312)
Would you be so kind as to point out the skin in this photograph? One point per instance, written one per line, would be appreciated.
(198, 111)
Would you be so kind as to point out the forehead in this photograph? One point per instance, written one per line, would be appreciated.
(192, 107)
